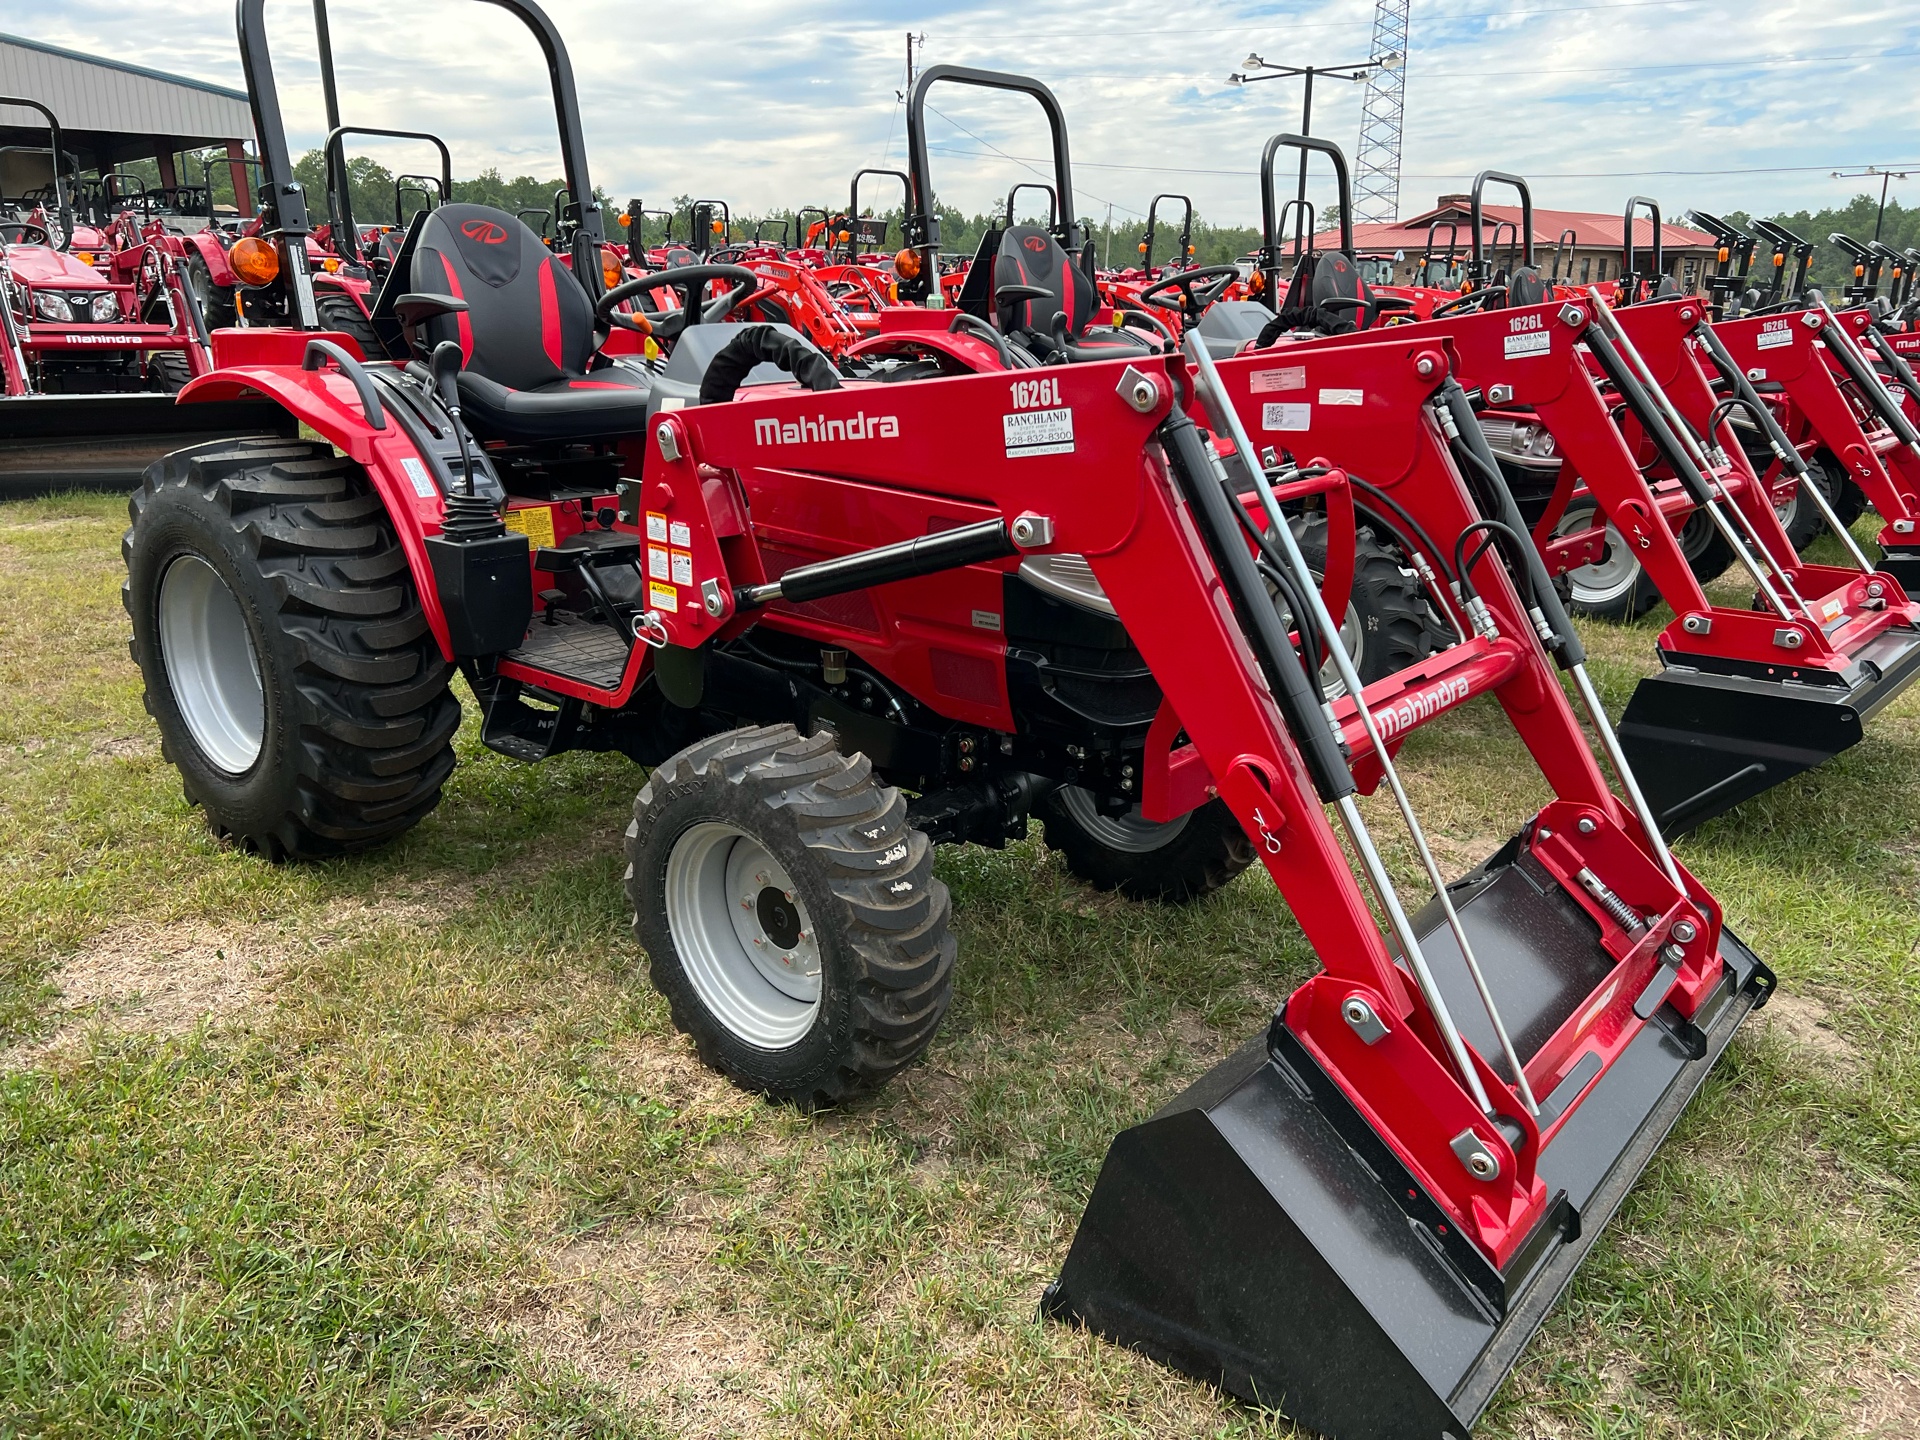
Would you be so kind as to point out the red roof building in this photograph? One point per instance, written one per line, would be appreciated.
(1574, 246)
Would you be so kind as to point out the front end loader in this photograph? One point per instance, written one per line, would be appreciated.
(836, 615)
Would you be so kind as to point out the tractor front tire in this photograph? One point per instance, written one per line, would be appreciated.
(287, 661)
(790, 914)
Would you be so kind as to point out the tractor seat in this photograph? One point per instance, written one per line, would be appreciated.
(526, 334)
(1527, 287)
(1029, 255)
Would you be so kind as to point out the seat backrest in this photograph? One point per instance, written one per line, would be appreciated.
(527, 322)
(1527, 287)
(1029, 255)
(1337, 277)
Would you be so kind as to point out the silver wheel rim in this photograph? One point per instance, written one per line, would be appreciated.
(212, 667)
(1128, 833)
(743, 935)
(1353, 635)
(1612, 576)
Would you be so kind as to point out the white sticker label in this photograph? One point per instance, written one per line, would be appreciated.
(985, 620)
(664, 597)
(656, 526)
(1281, 415)
(1270, 382)
(417, 473)
(1533, 342)
(1774, 339)
(1038, 432)
(680, 533)
(658, 566)
(682, 568)
(1343, 397)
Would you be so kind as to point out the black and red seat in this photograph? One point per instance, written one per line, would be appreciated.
(1029, 256)
(527, 333)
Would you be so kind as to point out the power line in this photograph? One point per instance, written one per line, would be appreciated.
(1752, 63)
(1464, 174)
(1344, 24)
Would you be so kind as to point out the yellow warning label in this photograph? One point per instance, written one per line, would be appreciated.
(664, 597)
(533, 521)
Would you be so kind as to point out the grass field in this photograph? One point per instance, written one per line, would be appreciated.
(405, 1145)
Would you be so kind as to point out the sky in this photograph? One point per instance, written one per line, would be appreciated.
(769, 104)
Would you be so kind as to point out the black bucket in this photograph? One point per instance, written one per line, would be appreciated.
(1258, 1234)
(1700, 741)
(107, 441)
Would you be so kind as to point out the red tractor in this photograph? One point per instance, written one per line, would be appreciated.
(845, 617)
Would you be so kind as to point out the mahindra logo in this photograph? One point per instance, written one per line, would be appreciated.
(485, 231)
(1034, 243)
(804, 431)
(1421, 705)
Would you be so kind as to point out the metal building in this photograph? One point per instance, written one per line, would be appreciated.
(111, 111)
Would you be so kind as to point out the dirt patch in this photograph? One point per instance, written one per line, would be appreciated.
(1804, 1022)
(163, 980)
(648, 1316)
(1888, 1383)
(124, 747)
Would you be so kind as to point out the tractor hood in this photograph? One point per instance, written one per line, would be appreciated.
(43, 265)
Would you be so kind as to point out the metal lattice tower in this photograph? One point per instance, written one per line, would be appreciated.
(1376, 183)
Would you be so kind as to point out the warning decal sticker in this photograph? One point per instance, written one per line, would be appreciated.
(1271, 382)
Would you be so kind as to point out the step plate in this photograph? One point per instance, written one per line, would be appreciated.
(590, 654)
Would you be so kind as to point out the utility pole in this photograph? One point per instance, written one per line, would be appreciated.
(1887, 177)
(913, 40)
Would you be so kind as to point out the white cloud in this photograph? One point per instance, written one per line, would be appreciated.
(772, 104)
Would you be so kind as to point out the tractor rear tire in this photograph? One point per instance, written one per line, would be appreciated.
(1173, 861)
(790, 914)
(1707, 551)
(1800, 517)
(1386, 628)
(336, 733)
(1849, 500)
(339, 313)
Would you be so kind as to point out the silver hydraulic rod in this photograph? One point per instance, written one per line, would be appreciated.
(1604, 315)
(1781, 446)
(1837, 330)
(1609, 739)
(1215, 392)
(1617, 758)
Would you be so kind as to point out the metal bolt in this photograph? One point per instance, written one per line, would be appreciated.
(966, 763)
(1788, 638)
(1362, 1020)
(1812, 319)
(669, 443)
(1138, 390)
(1587, 825)
(1903, 527)
(1030, 531)
(1673, 955)
(1875, 589)
(1545, 834)
(1483, 1165)
(1683, 931)
(1572, 315)
(1499, 394)
(1424, 366)
(1697, 624)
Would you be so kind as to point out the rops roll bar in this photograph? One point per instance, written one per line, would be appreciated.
(1272, 216)
(1630, 275)
(854, 212)
(340, 194)
(1482, 271)
(61, 204)
(284, 200)
(1186, 230)
(922, 228)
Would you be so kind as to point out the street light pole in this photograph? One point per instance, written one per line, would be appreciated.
(1359, 71)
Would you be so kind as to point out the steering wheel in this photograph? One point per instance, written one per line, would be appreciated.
(1192, 299)
(1471, 301)
(23, 232)
(687, 282)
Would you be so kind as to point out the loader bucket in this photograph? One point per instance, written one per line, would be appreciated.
(108, 440)
(1701, 742)
(1257, 1232)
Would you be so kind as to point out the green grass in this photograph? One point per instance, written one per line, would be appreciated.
(405, 1145)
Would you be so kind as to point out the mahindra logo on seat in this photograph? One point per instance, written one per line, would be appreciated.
(1034, 243)
(803, 431)
(485, 231)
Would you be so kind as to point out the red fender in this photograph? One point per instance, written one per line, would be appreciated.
(213, 254)
(326, 401)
